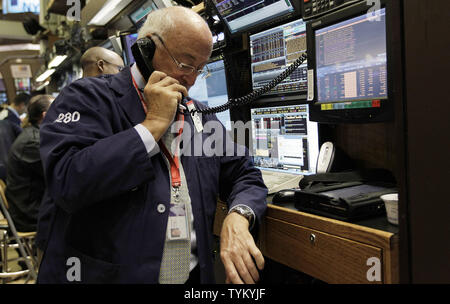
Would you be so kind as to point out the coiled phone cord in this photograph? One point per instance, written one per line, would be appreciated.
(235, 102)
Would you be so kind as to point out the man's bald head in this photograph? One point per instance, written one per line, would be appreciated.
(164, 21)
(98, 61)
(186, 37)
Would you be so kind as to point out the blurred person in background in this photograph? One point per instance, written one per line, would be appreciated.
(10, 128)
(98, 61)
(19, 106)
(25, 183)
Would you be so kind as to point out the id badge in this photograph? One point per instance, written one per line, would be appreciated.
(178, 226)
(195, 117)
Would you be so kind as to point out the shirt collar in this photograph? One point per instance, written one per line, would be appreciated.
(137, 76)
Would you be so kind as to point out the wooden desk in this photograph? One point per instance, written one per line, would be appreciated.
(330, 250)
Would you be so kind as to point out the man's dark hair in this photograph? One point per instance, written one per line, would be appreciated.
(38, 105)
(22, 98)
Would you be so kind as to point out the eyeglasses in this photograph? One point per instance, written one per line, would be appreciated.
(186, 68)
(119, 67)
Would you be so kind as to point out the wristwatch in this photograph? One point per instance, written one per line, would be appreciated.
(245, 212)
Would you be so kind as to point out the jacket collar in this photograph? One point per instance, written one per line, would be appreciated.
(127, 96)
(14, 111)
(121, 82)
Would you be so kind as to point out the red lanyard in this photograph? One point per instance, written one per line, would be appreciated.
(175, 160)
(140, 94)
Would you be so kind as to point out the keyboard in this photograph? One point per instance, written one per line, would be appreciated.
(276, 181)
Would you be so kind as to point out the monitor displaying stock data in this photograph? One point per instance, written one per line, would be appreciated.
(284, 139)
(244, 14)
(272, 51)
(351, 62)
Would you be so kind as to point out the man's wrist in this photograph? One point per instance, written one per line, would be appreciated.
(157, 128)
(246, 212)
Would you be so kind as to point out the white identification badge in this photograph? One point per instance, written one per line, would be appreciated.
(195, 117)
(178, 226)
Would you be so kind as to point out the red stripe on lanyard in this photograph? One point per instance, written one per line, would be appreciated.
(173, 161)
(140, 95)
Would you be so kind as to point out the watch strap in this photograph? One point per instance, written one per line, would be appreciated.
(246, 212)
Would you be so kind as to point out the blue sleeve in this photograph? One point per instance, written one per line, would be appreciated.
(241, 182)
(87, 155)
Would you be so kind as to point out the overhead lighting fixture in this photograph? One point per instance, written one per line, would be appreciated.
(108, 11)
(20, 47)
(43, 85)
(45, 75)
(56, 61)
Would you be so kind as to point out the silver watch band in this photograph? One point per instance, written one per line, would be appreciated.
(245, 211)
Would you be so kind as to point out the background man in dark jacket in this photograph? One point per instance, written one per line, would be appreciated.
(25, 183)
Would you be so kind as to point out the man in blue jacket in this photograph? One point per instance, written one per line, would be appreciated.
(132, 190)
(18, 107)
(10, 128)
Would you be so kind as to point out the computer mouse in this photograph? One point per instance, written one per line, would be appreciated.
(284, 196)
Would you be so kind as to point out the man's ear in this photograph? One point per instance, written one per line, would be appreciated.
(100, 65)
(42, 117)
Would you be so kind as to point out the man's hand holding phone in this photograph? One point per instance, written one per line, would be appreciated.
(162, 96)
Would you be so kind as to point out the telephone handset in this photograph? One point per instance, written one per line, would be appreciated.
(144, 49)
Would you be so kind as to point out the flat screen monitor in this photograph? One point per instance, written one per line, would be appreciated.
(213, 91)
(21, 6)
(284, 139)
(272, 51)
(349, 60)
(242, 15)
(138, 16)
(128, 40)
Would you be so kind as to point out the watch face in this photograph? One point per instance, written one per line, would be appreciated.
(243, 212)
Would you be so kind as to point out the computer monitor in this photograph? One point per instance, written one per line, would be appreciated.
(347, 52)
(20, 6)
(284, 139)
(272, 51)
(137, 17)
(245, 15)
(128, 39)
(213, 91)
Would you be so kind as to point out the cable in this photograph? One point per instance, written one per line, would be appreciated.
(235, 102)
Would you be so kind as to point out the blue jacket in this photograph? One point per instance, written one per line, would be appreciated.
(8, 133)
(13, 118)
(101, 205)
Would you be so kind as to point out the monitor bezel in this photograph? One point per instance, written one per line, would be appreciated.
(385, 112)
(296, 13)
